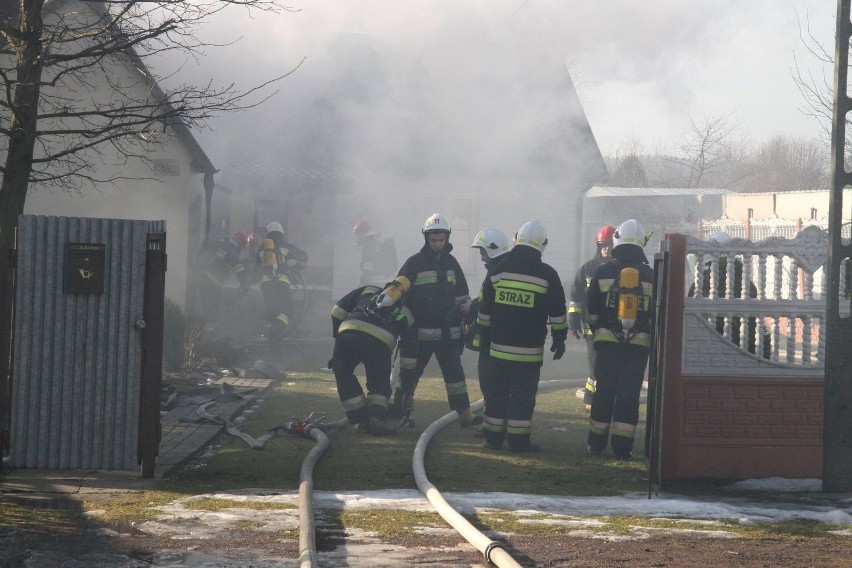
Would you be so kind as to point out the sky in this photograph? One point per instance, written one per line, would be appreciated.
(640, 68)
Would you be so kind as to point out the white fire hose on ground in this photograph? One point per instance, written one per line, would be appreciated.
(493, 551)
(310, 428)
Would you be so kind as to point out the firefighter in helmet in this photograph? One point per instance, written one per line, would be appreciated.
(366, 324)
(492, 244)
(378, 255)
(217, 264)
(578, 324)
(618, 302)
(438, 289)
(368, 243)
(277, 259)
(520, 296)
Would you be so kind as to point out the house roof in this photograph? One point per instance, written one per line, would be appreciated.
(603, 191)
(199, 161)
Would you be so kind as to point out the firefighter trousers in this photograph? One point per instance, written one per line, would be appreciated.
(510, 402)
(485, 371)
(278, 307)
(447, 353)
(351, 348)
(619, 371)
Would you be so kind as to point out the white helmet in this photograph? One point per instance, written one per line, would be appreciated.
(436, 222)
(492, 241)
(532, 234)
(629, 233)
(274, 226)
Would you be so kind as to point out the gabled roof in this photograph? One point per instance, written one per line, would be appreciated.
(199, 161)
(603, 191)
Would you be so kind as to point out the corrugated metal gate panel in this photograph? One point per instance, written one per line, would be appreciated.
(76, 377)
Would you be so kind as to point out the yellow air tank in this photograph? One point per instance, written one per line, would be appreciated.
(270, 256)
(394, 291)
(628, 297)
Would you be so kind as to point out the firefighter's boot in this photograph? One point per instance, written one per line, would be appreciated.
(520, 443)
(494, 440)
(402, 405)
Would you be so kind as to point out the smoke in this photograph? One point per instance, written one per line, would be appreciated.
(639, 69)
(416, 92)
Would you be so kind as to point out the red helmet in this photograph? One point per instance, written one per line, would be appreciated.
(240, 239)
(605, 234)
(362, 227)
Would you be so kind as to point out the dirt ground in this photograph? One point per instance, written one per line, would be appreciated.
(90, 547)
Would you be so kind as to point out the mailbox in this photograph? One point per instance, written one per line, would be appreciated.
(86, 268)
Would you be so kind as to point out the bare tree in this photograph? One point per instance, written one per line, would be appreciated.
(817, 90)
(784, 164)
(711, 144)
(57, 120)
(628, 172)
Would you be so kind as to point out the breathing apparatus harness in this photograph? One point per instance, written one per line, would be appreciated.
(378, 307)
(626, 295)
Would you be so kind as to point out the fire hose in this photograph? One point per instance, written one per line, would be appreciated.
(494, 551)
(310, 427)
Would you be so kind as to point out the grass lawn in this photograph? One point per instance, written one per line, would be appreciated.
(455, 461)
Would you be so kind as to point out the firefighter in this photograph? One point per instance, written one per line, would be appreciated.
(618, 302)
(368, 242)
(520, 295)
(492, 244)
(277, 259)
(366, 327)
(438, 289)
(378, 256)
(218, 263)
(578, 324)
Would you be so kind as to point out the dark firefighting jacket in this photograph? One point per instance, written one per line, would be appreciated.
(438, 287)
(577, 316)
(520, 296)
(603, 294)
(221, 260)
(289, 257)
(357, 312)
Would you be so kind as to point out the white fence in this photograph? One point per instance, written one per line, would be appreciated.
(765, 311)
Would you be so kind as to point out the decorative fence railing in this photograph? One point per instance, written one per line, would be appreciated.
(757, 305)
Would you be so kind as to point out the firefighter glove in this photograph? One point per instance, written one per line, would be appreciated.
(576, 333)
(330, 364)
(557, 348)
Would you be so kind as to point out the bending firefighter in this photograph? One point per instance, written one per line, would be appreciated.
(438, 289)
(519, 297)
(277, 258)
(619, 306)
(366, 324)
(578, 321)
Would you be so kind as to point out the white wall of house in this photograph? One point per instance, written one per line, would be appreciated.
(166, 198)
(160, 190)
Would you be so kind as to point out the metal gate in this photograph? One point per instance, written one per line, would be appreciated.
(86, 322)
